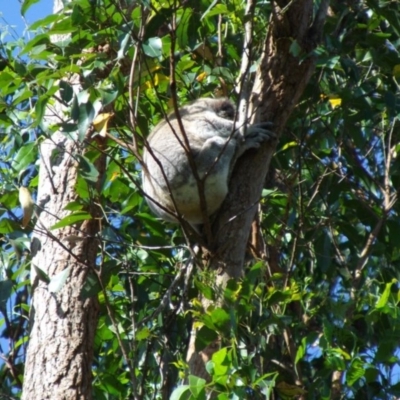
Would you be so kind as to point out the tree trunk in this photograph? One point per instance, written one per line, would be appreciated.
(280, 80)
(60, 350)
(63, 324)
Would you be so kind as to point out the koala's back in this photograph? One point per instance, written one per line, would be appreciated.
(201, 121)
(207, 133)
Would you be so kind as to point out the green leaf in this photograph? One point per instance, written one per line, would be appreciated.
(7, 226)
(155, 227)
(181, 393)
(87, 170)
(71, 219)
(381, 303)
(204, 337)
(124, 41)
(38, 41)
(183, 26)
(108, 96)
(222, 363)
(111, 385)
(220, 318)
(206, 290)
(41, 274)
(215, 9)
(152, 47)
(74, 206)
(26, 5)
(26, 156)
(62, 26)
(143, 334)
(355, 372)
(91, 287)
(301, 350)
(66, 91)
(49, 19)
(40, 108)
(86, 115)
(197, 387)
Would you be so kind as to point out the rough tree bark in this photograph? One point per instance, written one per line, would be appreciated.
(63, 324)
(280, 80)
(60, 349)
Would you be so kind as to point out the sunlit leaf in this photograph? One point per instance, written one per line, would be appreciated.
(152, 47)
(356, 372)
(27, 205)
(57, 282)
(335, 102)
(100, 123)
(26, 4)
(385, 295)
(181, 393)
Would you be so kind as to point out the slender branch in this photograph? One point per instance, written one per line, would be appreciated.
(134, 64)
(167, 295)
(243, 85)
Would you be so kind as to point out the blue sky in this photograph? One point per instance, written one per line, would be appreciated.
(12, 21)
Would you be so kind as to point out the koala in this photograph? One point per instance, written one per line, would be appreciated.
(168, 178)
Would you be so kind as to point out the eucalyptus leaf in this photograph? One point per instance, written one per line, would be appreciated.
(152, 47)
(77, 216)
(58, 281)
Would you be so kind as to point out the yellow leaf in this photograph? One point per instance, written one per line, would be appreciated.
(100, 123)
(289, 145)
(27, 205)
(147, 85)
(114, 176)
(159, 78)
(196, 303)
(201, 77)
(197, 324)
(335, 102)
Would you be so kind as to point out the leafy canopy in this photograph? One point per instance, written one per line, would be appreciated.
(324, 306)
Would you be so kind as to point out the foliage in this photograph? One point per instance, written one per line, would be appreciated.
(323, 308)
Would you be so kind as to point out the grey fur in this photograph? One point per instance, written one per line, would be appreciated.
(214, 146)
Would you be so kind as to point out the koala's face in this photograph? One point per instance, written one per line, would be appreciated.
(225, 109)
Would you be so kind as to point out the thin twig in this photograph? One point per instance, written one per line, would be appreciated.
(167, 295)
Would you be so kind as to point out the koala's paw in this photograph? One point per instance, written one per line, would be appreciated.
(257, 134)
